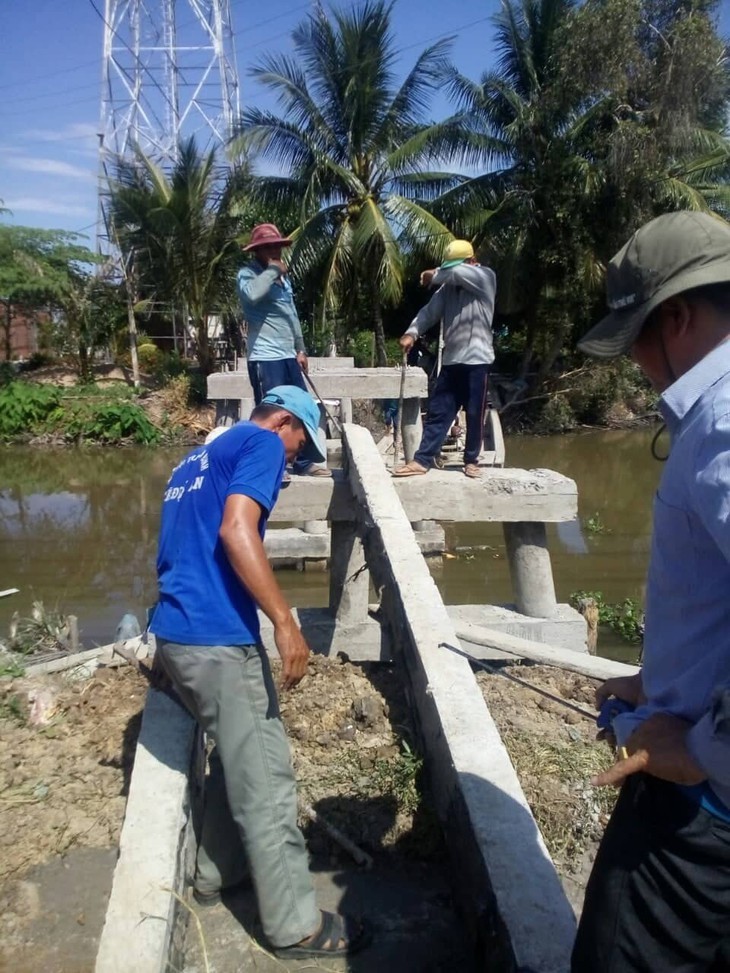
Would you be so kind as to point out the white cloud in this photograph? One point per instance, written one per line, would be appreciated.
(76, 130)
(37, 204)
(52, 167)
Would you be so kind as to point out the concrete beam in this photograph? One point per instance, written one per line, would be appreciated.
(518, 913)
(344, 383)
(476, 637)
(144, 923)
(444, 495)
(565, 629)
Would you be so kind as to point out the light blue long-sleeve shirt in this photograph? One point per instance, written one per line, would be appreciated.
(274, 330)
(687, 639)
(464, 301)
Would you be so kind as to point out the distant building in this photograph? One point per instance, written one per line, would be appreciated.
(19, 331)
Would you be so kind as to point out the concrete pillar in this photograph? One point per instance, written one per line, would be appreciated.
(246, 408)
(349, 576)
(532, 573)
(315, 526)
(227, 412)
(345, 410)
(411, 428)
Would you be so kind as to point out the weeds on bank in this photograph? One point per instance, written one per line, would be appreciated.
(11, 708)
(81, 413)
(45, 630)
(626, 617)
(569, 811)
(595, 525)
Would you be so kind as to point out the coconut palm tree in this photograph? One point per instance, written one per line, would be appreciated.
(180, 229)
(357, 152)
(568, 131)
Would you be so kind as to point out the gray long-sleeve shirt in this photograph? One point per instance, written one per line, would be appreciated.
(464, 302)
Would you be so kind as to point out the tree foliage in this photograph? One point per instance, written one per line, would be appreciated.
(52, 270)
(585, 133)
(357, 152)
(179, 230)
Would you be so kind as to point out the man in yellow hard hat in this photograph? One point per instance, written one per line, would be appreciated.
(464, 302)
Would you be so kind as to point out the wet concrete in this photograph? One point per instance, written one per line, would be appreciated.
(52, 919)
(409, 910)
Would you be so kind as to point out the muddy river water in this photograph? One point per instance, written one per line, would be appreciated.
(78, 530)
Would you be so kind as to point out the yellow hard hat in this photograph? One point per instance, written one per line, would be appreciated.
(457, 252)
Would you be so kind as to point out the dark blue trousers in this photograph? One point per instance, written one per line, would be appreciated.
(266, 375)
(457, 387)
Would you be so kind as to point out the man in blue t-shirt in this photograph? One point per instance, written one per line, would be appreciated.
(213, 573)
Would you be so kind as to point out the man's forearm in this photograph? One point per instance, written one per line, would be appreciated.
(253, 288)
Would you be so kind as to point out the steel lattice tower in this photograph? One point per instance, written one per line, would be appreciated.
(168, 72)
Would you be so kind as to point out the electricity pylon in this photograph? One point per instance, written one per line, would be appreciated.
(168, 71)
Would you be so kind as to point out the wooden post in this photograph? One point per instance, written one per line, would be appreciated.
(532, 573)
(411, 428)
(349, 576)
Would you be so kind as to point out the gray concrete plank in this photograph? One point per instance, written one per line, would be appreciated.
(409, 909)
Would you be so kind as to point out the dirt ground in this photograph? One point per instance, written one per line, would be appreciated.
(555, 753)
(63, 784)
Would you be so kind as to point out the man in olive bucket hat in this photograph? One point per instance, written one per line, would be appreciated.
(464, 302)
(659, 894)
(275, 349)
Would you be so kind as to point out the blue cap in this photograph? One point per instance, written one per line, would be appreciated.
(302, 405)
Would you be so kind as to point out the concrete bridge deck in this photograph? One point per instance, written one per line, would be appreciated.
(516, 912)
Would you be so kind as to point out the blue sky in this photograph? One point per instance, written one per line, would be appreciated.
(50, 83)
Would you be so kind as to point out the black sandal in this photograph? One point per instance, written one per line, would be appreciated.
(334, 929)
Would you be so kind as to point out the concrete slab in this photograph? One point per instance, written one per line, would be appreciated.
(447, 496)
(289, 545)
(566, 628)
(145, 922)
(517, 912)
(340, 383)
(409, 908)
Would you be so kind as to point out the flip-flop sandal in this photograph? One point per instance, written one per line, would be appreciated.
(334, 929)
(472, 471)
(410, 469)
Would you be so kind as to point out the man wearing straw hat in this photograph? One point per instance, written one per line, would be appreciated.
(464, 302)
(275, 352)
(659, 894)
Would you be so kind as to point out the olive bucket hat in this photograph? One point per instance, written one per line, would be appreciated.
(671, 254)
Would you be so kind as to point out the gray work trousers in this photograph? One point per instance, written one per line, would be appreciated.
(250, 794)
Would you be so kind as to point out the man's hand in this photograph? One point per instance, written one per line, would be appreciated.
(658, 747)
(623, 687)
(303, 362)
(427, 277)
(277, 262)
(294, 652)
(406, 341)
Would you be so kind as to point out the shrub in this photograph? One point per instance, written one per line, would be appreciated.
(113, 422)
(24, 406)
(625, 617)
(149, 357)
(556, 416)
